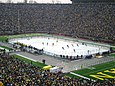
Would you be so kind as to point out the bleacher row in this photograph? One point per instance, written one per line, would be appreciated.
(14, 72)
(94, 21)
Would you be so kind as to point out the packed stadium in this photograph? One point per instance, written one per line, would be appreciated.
(57, 43)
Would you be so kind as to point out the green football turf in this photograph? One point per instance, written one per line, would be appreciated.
(3, 38)
(71, 75)
(93, 70)
(5, 47)
(113, 48)
(113, 54)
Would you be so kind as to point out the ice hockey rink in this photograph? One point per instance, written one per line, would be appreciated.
(56, 46)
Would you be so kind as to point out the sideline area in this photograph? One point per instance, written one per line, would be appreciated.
(6, 50)
(29, 60)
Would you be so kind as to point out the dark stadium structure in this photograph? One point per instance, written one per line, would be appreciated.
(94, 21)
(77, 1)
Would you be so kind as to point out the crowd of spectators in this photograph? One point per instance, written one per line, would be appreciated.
(14, 72)
(87, 20)
(95, 20)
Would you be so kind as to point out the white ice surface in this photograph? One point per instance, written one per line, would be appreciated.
(46, 43)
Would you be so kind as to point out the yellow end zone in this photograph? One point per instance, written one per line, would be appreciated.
(102, 75)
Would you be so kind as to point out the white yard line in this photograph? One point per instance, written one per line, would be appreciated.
(79, 75)
(5, 49)
(26, 57)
